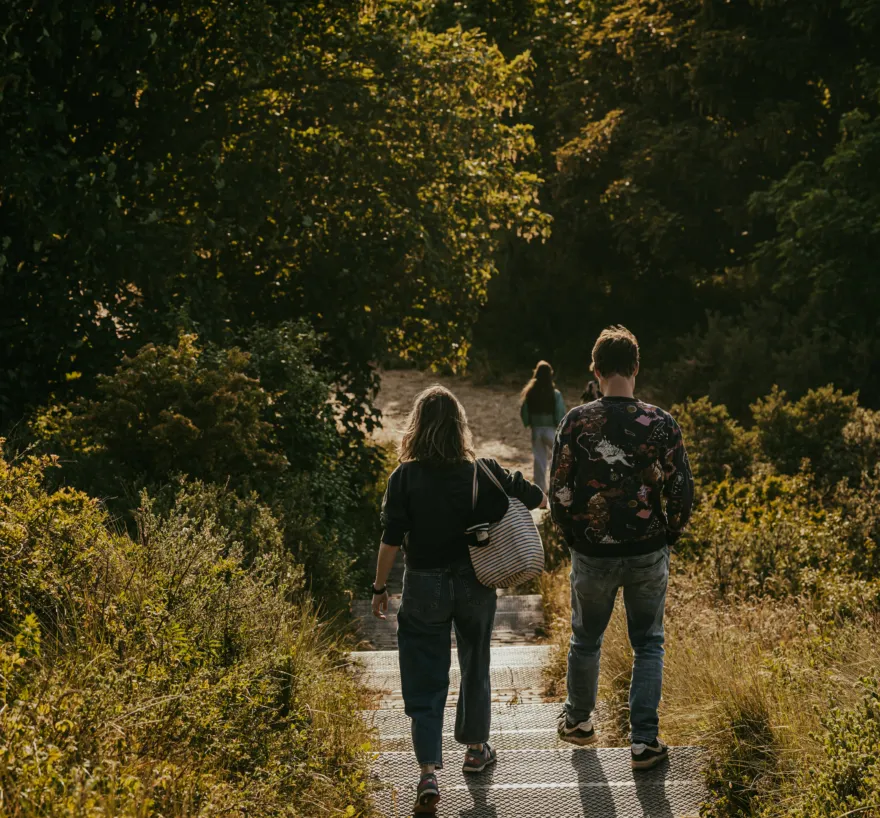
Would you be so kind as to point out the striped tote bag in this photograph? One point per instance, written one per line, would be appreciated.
(514, 553)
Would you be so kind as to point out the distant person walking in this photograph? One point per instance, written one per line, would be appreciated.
(428, 506)
(542, 408)
(621, 493)
(591, 392)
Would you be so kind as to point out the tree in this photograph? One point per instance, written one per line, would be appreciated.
(660, 121)
(225, 165)
(804, 313)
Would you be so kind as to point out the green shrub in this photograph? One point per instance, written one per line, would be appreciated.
(812, 427)
(188, 409)
(168, 678)
(717, 445)
(736, 358)
(50, 546)
(848, 780)
(860, 507)
(772, 536)
(556, 552)
(259, 421)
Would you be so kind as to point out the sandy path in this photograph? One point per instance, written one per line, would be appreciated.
(493, 414)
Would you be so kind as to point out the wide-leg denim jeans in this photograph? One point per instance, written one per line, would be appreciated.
(594, 585)
(433, 603)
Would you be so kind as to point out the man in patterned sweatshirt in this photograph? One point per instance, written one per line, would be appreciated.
(621, 492)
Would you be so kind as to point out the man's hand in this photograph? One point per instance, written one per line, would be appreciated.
(545, 502)
(380, 605)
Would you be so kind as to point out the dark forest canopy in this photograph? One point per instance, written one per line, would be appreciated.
(710, 170)
(214, 166)
(713, 175)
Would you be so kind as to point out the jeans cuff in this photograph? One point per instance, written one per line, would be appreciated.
(570, 712)
(470, 741)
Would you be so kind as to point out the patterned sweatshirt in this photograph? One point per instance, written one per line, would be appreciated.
(614, 462)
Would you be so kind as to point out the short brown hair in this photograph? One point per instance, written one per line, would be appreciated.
(437, 430)
(616, 352)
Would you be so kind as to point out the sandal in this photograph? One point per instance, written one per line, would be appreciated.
(475, 761)
(427, 794)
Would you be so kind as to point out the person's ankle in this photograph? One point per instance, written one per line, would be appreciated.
(477, 747)
(428, 769)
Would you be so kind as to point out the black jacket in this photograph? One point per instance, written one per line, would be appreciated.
(428, 507)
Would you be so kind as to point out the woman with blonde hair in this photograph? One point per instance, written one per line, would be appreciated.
(542, 408)
(428, 507)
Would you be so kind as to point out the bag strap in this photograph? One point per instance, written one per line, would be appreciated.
(491, 476)
(475, 491)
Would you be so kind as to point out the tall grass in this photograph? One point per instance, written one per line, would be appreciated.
(165, 675)
(752, 681)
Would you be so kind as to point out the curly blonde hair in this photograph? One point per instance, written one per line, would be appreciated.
(437, 430)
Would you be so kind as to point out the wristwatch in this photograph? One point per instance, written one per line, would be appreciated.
(379, 591)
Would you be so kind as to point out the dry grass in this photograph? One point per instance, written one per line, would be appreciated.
(750, 681)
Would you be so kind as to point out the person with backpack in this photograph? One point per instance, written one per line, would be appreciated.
(541, 408)
(437, 503)
(621, 493)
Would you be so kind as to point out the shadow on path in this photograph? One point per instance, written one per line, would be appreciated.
(597, 800)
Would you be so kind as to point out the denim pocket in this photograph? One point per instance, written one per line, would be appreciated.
(595, 566)
(421, 590)
(593, 576)
(649, 563)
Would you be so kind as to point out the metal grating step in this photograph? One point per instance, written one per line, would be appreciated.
(534, 656)
(536, 775)
(516, 674)
(508, 695)
(505, 604)
(519, 619)
(514, 727)
(519, 626)
(553, 784)
(501, 678)
(644, 799)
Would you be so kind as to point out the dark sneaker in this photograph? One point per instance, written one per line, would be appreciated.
(427, 794)
(581, 733)
(475, 761)
(646, 756)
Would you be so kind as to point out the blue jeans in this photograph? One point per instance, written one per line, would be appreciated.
(433, 603)
(594, 584)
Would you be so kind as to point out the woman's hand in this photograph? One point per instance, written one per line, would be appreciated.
(545, 503)
(380, 605)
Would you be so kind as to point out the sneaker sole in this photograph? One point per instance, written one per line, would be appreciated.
(430, 806)
(489, 763)
(650, 763)
(577, 740)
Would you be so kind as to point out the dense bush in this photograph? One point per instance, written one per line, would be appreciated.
(812, 427)
(161, 674)
(771, 536)
(848, 781)
(259, 421)
(717, 445)
(788, 508)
